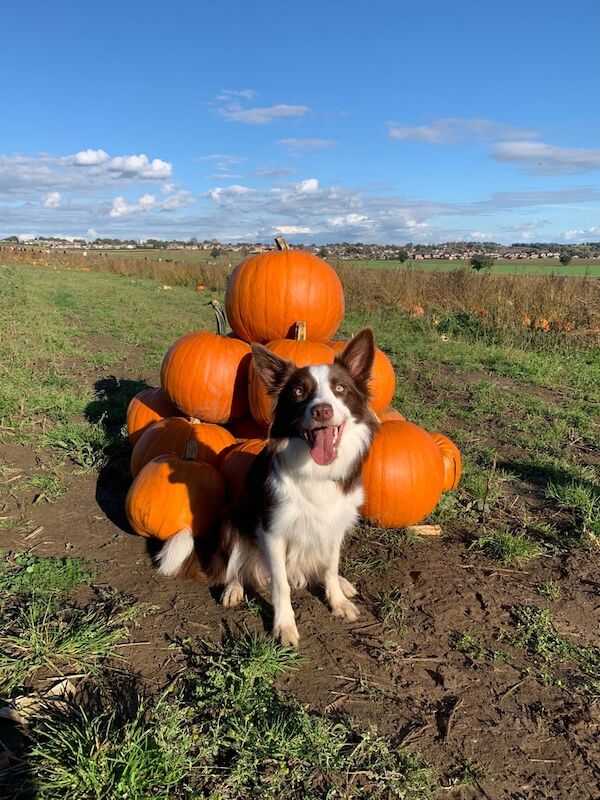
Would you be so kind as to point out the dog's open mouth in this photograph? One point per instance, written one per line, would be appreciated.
(324, 443)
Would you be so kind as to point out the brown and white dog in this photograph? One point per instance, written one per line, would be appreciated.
(302, 493)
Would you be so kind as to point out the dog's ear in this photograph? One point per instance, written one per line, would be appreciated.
(358, 355)
(272, 370)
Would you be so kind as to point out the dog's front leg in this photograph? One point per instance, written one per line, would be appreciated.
(284, 622)
(341, 606)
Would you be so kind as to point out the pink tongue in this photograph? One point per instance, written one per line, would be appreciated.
(323, 451)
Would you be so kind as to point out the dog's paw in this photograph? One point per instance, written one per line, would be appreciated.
(233, 594)
(347, 588)
(345, 610)
(286, 632)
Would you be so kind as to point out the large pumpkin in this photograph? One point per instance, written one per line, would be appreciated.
(452, 460)
(147, 407)
(236, 463)
(297, 350)
(171, 435)
(206, 374)
(171, 495)
(383, 381)
(268, 293)
(248, 428)
(403, 475)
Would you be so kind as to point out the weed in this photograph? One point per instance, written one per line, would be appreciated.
(51, 487)
(391, 610)
(549, 589)
(507, 548)
(582, 501)
(25, 575)
(89, 758)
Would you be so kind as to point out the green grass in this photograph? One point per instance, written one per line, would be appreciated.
(391, 610)
(507, 548)
(103, 757)
(537, 634)
(41, 629)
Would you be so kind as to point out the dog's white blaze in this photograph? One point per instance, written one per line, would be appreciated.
(325, 394)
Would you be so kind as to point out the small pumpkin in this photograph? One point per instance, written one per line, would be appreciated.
(147, 407)
(173, 494)
(171, 435)
(383, 380)
(403, 475)
(235, 465)
(269, 292)
(298, 350)
(390, 414)
(206, 374)
(452, 461)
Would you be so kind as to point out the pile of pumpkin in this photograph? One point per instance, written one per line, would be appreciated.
(195, 438)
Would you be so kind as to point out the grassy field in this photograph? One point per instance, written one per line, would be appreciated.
(542, 266)
(474, 669)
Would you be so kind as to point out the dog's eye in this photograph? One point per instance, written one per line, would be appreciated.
(339, 389)
(298, 391)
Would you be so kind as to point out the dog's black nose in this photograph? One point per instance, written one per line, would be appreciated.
(322, 412)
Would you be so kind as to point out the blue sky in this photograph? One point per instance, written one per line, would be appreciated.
(419, 121)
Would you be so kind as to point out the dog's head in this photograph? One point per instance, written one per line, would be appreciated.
(321, 404)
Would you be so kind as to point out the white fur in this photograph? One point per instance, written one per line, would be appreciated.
(311, 516)
(174, 552)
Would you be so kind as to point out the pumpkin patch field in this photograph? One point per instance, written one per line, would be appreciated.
(473, 670)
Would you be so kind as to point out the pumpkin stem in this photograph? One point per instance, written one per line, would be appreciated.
(191, 450)
(281, 243)
(195, 421)
(300, 332)
(220, 317)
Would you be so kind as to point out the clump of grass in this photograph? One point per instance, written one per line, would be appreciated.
(50, 486)
(24, 574)
(470, 645)
(537, 634)
(256, 743)
(582, 501)
(507, 548)
(467, 773)
(549, 589)
(391, 610)
(87, 445)
(102, 757)
(45, 634)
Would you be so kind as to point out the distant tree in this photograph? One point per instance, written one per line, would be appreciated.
(322, 252)
(215, 252)
(482, 261)
(402, 256)
(565, 257)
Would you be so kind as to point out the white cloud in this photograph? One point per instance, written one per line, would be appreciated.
(351, 222)
(297, 145)
(227, 94)
(224, 193)
(290, 230)
(547, 159)
(121, 207)
(581, 234)
(140, 166)
(51, 200)
(450, 130)
(177, 201)
(273, 172)
(234, 112)
(309, 186)
(88, 158)
(168, 188)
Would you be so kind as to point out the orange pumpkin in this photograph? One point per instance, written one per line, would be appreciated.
(403, 475)
(147, 407)
(236, 463)
(206, 374)
(248, 428)
(297, 350)
(390, 414)
(171, 435)
(171, 495)
(452, 461)
(268, 293)
(383, 381)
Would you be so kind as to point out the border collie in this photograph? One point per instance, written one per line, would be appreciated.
(302, 493)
